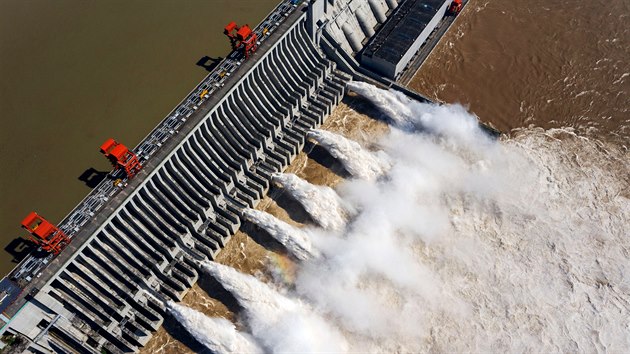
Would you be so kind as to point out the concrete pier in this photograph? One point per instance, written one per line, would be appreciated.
(136, 246)
(184, 205)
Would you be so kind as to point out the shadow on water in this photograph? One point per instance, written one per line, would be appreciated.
(209, 63)
(215, 290)
(294, 209)
(262, 237)
(92, 177)
(179, 333)
(364, 106)
(19, 248)
(323, 157)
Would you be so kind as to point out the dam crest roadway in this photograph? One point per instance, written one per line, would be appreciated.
(139, 242)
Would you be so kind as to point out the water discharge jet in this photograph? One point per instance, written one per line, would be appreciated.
(295, 240)
(280, 323)
(217, 334)
(359, 162)
(411, 115)
(320, 202)
(394, 104)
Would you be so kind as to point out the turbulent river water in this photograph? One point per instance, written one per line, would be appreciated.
(549, 64)
(462, 243)
(442, 239)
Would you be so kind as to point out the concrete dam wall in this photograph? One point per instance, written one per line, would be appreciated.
(139, 243)
(352, 22)
(185, 205)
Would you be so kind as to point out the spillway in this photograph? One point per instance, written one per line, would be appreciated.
(137, 244)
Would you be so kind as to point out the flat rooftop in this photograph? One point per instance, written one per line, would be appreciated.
(400, 31)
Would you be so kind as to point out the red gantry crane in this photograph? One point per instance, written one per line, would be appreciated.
(455, 7)
(242, 37)
(48, 236)
(121, 157)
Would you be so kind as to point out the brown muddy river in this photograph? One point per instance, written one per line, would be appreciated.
(515, 65)
(74, 73)
(541, 63)
(71, 82)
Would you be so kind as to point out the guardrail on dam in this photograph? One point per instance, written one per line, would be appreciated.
(211, 157)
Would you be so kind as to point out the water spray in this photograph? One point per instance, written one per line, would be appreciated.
(320, 202)
(359, 162)
(295, 240)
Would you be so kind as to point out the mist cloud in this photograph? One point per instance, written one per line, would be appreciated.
(465, 244)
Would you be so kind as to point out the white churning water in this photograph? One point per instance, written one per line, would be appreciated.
(358, 161)
(321, 202)
(465, 244)
(279, 323)
(217, 334)
(294, 239)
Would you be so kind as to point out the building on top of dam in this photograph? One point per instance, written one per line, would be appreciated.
(384, 36)
(351, 22)
(138, 238)
(400, 38)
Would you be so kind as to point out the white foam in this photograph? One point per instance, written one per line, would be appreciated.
(280, 323)
(394, 104)
(217, 334)
(407, 114)
(320, 202)
(295, 240)
(358, 161)
(466, 245)
(474, 245)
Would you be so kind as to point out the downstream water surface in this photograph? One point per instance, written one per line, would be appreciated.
(521, 67)
(524, 238)
(541, 63)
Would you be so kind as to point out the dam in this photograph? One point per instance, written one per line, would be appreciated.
(138, 239)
